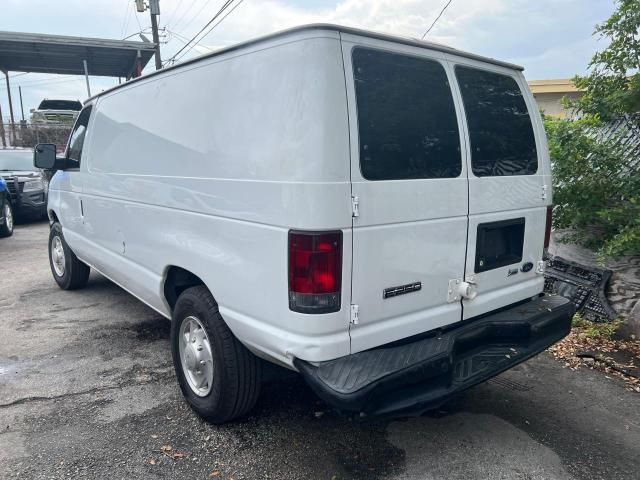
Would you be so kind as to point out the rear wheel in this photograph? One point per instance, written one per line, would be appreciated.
(6, 229)
(68, 271)
(218, 376)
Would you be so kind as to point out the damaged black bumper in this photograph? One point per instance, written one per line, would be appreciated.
(422, 374)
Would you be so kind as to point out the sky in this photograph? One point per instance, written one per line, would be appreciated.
(550, 38)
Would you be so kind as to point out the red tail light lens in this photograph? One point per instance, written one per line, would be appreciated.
(547, 229)
(315, 271)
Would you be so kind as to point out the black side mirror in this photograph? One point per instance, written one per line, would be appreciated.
(44, 156)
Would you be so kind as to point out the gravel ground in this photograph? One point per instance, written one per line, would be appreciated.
(87, 390)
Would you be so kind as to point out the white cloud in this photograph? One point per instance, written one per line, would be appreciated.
(551, 38)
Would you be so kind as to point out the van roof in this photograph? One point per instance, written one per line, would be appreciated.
(322, 26)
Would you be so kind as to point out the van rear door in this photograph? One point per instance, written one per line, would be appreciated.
(409, 187)
(507, 187)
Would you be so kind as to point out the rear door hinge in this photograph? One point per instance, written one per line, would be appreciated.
(354, 314)
(355, 203)
(544, 192)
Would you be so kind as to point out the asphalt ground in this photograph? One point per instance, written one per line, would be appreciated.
(87, 390)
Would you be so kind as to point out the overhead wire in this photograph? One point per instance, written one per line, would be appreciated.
(213, 26)
(184, 13)
(186, 25)
(125, 20)
(173, 12)
(220, 21)
(222, 8)
(437, 18)
(184, 39)
(137, 20)
(37, 83)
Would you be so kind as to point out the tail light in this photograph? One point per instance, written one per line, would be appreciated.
(547, 228)
(315, 271)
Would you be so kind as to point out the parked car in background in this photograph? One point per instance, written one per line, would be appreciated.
(27, 186)
(6, 212)
(56, 112)
(370, 211)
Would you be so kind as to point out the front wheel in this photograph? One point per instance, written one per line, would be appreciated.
(6, 229)
(68, 271)
(218, 376)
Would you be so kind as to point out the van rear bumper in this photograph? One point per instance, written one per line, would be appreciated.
(419, 375)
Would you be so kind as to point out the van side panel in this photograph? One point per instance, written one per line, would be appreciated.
(209, 166)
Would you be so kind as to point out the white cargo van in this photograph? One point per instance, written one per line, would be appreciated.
(370, 211)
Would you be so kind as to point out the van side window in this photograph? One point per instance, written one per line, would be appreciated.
(406, 117)
(76, 139)
(500, 130)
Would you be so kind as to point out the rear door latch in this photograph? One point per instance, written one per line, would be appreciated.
(459, 289)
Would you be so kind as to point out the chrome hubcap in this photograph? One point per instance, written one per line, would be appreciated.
(195, 356)
(57, 256)
(8, 217)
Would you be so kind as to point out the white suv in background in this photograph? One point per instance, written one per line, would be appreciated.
(56, 112)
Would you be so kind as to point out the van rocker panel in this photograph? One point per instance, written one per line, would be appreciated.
(409, 378)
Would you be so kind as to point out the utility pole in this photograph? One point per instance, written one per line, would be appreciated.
(21, 106)
(2, 135)
(13, 123)
(154, 9)
(86, 77)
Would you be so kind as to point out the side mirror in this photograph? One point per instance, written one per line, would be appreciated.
(44, 156)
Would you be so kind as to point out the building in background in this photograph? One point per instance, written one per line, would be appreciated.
(549, 94)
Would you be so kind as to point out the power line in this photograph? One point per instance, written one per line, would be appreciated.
(43, 82)
(214, 26)
(186, 10)
(125, 20)
(219, 21)
(184, 27)
(173, 12)
(184, 39)
(137, 20)
(224, 6)
(437, 18)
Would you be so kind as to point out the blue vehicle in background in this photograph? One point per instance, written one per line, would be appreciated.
(6, 212)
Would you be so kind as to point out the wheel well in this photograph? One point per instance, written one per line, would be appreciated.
(177, 281)
(53, 218)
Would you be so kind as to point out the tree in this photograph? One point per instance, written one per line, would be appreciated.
(612, 87)
(596, 176)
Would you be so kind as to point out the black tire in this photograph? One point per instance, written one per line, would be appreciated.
(6, 229)
(76, 273)
(237, 373)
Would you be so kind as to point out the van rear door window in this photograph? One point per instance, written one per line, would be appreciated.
(500, 130)
(406, 117)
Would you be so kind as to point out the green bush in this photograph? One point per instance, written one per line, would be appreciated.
(597, 190)
(595, 196)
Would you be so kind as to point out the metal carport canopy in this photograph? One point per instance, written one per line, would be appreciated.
(34, 52)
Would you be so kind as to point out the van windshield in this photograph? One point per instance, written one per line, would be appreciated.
(60, 105)
(500, 130)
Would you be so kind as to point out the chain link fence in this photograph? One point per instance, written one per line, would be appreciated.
(29, 135)
(625, 132)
